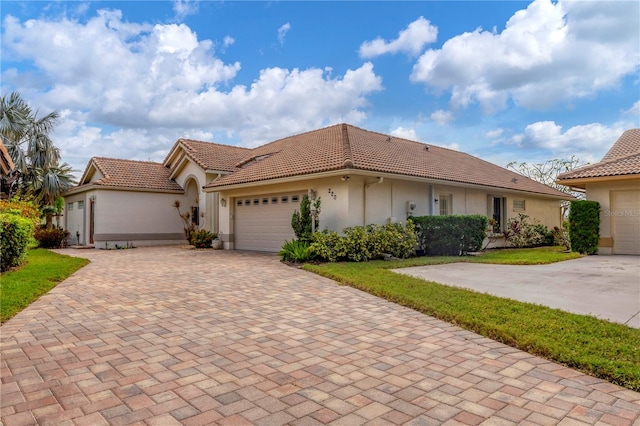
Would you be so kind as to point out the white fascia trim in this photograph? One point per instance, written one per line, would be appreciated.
(361, 172)
(120, 188)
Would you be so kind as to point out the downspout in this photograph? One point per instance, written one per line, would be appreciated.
(215, 209)
(364, 196)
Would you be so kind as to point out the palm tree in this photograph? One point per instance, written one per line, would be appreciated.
(36, 157)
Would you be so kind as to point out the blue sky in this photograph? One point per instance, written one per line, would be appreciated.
(505, 81)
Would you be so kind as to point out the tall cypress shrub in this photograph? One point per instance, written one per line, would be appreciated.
(584, 226)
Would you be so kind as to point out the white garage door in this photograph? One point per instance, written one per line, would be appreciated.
(263, 222)
(625, 222)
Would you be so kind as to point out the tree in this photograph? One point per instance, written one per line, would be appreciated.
(26, 137)
(301, 220)
(548, 172)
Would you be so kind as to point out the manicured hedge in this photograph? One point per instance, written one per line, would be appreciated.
(584, 226)
(15, 233)
(450, 235)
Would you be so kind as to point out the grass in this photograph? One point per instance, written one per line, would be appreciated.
(600, 348)
(42, 271)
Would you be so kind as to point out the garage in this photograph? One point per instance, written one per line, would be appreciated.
(263, 222)
(625, 222)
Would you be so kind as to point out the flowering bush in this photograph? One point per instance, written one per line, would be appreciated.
(561, 237)
(51, 238)
(202, 238)
(524, 232)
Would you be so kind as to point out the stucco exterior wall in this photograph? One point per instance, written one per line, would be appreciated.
(143, 218)
(361, 200)
(546, 211)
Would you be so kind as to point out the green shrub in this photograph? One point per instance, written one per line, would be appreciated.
(327, 245)
(584, 226)
(15, 233)
(51, 238)
(296, 251)
(202, 238)
(395, 239)
(523, 232)
(362, 243)
(450, 235)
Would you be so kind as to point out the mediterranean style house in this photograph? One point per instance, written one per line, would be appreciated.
(247, 196)
(614, 182)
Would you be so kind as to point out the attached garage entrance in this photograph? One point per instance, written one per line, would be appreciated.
(625, 222)
(263, 222)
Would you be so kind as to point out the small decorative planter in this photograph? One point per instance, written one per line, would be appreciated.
(216, 244)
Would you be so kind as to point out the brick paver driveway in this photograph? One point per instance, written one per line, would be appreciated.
(162, 336)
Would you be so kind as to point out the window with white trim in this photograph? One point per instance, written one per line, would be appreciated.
(69, 206)
(446, 204)
(80, 205)
(518, 205)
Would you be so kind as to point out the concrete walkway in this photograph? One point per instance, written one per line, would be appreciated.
(162, 336)
(607, 287)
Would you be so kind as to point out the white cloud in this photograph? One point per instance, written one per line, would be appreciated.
(547, 53)
(405, 133)
(228, 41)
(634, 111)
(495, 133)
(160, 82)
(184, 8)
(411, 40)
(454, 146)
(588, 142)
(441, 117)
(282, 32)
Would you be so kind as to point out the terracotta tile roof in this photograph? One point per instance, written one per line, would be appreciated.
(213, 156)
(344, 146)
(131, 174)
(622, 159)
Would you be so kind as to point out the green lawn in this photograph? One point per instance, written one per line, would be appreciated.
(600, 348)
(43, 270)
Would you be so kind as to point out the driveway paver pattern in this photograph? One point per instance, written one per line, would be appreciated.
(165, 335)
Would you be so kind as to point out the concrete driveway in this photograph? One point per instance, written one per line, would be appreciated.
(162, 336)
(607, 287)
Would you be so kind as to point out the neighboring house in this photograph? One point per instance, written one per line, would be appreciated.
(614, 182)
(8, 172)
(364, 177)
(124, 201)
(249, 195)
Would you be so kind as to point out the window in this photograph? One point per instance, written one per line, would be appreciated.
(284, 199)
(256, 201)
(195, 215)
(265, 201)
(239, 203)
(80, 205)
(295, 198)
(274, 200)
(247, 202)
(69, 206)
(446, 205)
(497, 213)
(518, 205)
